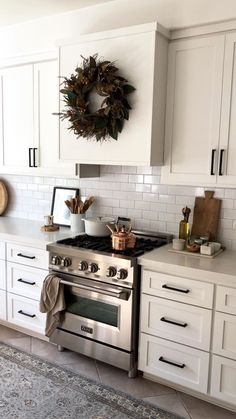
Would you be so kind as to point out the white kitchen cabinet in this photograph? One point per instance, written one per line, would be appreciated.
(177, 288)
(26, 269)
(16, 130)
(140, 53)
(29, 132)
(177, 363)
(25, 312)
(181, 323)
(224, 342)
(3, 305)
(223, 379)
(227, 146)
(195, 71)
(25, 280)
(26, 255)
(226, 299)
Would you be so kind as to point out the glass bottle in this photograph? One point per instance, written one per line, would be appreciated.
(184, 230)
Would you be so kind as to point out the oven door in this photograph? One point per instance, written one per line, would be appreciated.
(98, 311)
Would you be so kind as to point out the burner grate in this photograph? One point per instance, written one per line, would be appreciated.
(104, 244)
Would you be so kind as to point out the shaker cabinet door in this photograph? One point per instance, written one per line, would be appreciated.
(46, 123)
(195, 70)
(16, 116)
(227, 148)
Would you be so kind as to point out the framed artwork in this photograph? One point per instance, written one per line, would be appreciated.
(59, 210)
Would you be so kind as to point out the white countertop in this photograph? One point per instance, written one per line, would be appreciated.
(219, 270)
(28, 232)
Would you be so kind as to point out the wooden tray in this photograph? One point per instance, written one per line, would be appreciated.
(196, 254)
(3, 197)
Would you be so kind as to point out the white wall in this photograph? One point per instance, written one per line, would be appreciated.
(41, 34)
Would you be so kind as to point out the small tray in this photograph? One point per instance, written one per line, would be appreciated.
(198, 254)
(47, 229)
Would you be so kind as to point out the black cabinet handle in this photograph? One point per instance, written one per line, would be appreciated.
(30, 153)
(163, 319)
(26, 314)
(212, 161)
(171, 362)
(34, 158)
(168, 287)
(26, 282)
(25, 256)
(221, 162)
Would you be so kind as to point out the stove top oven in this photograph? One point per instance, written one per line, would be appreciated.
(101, 289)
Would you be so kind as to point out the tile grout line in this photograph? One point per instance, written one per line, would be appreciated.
(182, 401)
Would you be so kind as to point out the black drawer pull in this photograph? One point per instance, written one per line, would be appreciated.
(163, 319)
(212, 161)
(171, 363)
(221, 162)
(26, 282)
(25, 256)
(168, 287)
(26, 314)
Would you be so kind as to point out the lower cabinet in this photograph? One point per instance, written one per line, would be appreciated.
(3, 305)
(171, 361)
(223, 379)
(25, 312)
(178, 340)
(25, 280)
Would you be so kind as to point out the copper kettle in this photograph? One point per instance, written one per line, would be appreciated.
(122, 238)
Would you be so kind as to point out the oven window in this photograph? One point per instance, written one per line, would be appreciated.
(92, 309)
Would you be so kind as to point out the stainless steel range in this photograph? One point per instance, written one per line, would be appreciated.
(102, 296)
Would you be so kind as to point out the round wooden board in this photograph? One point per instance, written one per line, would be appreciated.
(3, 197)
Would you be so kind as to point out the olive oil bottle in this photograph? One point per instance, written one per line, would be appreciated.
(184, 230)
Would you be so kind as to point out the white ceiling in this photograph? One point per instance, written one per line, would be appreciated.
(15, 11)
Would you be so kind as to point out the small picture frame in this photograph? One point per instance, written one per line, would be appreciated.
(59, 210)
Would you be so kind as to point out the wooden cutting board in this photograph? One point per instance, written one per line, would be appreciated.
(206, 216)
(3, 197)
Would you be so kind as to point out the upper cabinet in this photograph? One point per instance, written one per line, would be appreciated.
(195, 71)
(140, 53)
(29, 132)
(200, 137)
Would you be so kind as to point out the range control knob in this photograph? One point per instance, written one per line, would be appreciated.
(66, 262)
(56, 260)
(83, 265)
(93, 268)
(111, 271)
(122, 274)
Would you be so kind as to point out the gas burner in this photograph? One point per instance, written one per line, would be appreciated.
(104, 244)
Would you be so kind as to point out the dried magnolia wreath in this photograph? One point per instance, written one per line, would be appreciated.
(101, 77)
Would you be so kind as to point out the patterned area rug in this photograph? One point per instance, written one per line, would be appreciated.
(33, 388)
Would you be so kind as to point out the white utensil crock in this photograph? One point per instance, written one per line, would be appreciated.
(77, 223)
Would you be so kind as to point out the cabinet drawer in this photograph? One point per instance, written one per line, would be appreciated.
(178, 289)
(226, 299)
(25, 312)
(2, 250)
(224, 342)
(3, 305)
(3, 275)
(27, 255)
(24, 280)
(174, 362)
(223, 379)
(176, 321)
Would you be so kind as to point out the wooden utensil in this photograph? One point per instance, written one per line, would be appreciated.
(3, 197)
(206, 216)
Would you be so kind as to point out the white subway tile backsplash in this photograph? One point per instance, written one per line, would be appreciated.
(133, 192)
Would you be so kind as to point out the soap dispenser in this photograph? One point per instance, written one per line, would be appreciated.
(184, 230)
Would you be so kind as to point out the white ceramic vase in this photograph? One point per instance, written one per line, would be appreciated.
(77, 223)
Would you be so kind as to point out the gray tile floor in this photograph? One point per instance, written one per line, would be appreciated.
(162, 396)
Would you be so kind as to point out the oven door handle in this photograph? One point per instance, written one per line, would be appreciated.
(123, 295)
